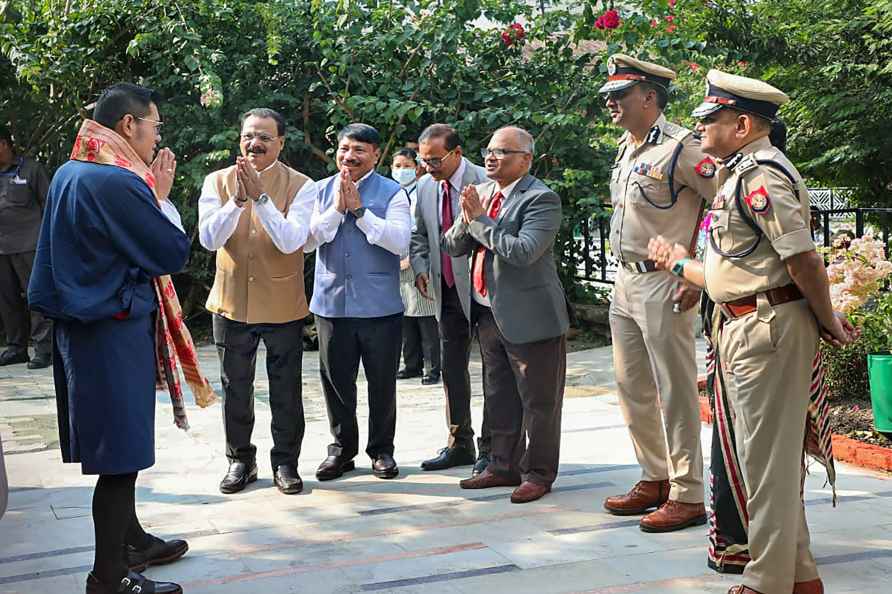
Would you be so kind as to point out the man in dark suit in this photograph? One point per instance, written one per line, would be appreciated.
(508, 227)
(447, 281)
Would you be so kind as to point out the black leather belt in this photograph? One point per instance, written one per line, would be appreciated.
(641, 266)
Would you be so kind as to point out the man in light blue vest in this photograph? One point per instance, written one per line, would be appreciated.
(360, 225)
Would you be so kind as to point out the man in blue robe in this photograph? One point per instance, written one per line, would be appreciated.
(103, 239)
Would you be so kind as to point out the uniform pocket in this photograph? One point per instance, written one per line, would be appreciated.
(646, 190)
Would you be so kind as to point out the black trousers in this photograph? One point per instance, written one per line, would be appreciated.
(421, 344)
(524, 385)
(455, 337)
(18, 322)
(343, 344)
(237, 348)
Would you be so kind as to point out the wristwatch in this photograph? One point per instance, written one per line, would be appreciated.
(359, 212)
(678, 267)
(263, 198)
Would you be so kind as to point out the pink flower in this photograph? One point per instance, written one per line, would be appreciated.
(672, 3)
(694, 66)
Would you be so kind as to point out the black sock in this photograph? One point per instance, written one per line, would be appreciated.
(136, 536)
(113, 509)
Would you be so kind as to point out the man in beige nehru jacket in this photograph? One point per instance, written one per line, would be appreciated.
(256, 216)
(658, 185)
(773, 303)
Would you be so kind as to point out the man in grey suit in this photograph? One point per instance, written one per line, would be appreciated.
(508, 227)
(447, 281)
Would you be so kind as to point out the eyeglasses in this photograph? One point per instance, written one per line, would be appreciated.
(264, 138)
(500, 153)
(617, 95)
(434, 162)
(156, 124)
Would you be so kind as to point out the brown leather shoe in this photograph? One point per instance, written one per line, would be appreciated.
(487, 479)
(810, 587)
(674, 515)
(742, 590)
(644, 495)
(529, 491)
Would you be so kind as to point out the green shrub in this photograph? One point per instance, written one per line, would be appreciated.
(846, 368)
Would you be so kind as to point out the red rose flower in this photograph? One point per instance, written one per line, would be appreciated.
(694, 66)
(514, 33)
(519, 33)
(672, 3)
(610, 19)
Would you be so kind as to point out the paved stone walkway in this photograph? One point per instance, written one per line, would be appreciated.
(417, 533)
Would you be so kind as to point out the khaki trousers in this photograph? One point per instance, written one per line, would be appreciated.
(656, 376)
(767, 360)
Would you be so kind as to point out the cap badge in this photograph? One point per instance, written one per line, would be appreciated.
(758, 200)
(705, 168)
(611, 67)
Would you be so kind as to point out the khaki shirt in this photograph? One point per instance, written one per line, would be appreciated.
(641, 173)
(779, 208)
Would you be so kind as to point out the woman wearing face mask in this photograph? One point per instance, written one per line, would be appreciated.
(421, 340)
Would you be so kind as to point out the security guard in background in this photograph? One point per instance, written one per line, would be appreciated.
(23, 186)
(659, 184)
(771, 289)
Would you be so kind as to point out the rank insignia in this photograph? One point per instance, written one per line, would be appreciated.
(648, 170)
(705, 168)
(718, 203)
(758, 200)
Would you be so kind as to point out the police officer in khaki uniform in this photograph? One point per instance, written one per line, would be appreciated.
(658, 185)
(771, 288)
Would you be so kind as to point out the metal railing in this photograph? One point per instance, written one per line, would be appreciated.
(595, 263)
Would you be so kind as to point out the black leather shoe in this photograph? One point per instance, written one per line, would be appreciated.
(407, 373)
(40, 362)
(481, 464)
(11, 357)
(134, 583)
(287, 479)
(449, 457)
(430, 379)
(334, 467)
(159, 552)
(385, 466)
(238, 477)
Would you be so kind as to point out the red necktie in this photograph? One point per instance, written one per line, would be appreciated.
(478, 275)
(446, 225)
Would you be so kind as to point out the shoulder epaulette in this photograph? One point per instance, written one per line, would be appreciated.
(743, 163)
(675, 131)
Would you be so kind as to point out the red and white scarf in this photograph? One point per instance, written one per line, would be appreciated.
(173, 343)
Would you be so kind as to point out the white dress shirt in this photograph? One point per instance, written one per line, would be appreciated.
(455, 189)
(391, 233)
(172, 214)
(506, 192)
(289, 232)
